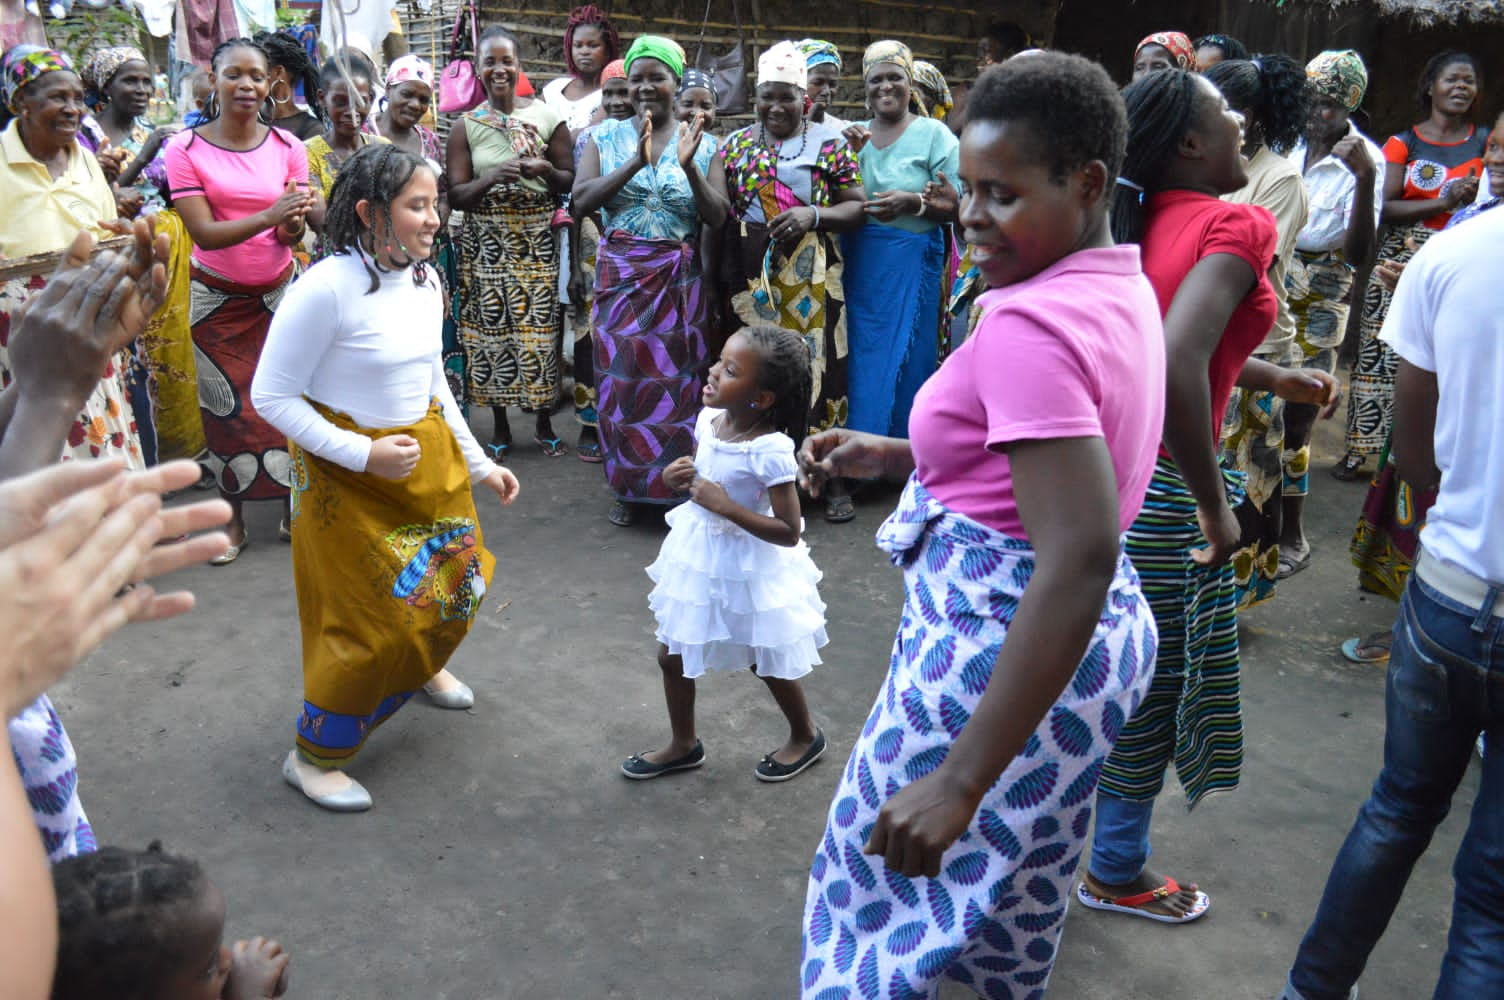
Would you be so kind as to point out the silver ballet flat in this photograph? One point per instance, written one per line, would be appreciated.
(353, 798)
(459, 697)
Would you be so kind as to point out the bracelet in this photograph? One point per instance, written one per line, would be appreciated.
(817, 218)
(924, 205)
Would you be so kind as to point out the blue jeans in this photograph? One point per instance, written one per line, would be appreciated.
(1445, 686)
(1120, 840)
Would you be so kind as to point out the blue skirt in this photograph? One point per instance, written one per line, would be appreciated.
(892, 281)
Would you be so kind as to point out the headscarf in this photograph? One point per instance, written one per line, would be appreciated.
(1340, 75)
(665, 50)
(616, 69)
(594, 17)
(888, 51)
(694, 77)
(102, 65)
(783, 63)
(817, 51)
(407, 69)
(1178, 45)
(930, 77)
(26, 63)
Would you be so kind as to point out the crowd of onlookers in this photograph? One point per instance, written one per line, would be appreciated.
(1226, 208)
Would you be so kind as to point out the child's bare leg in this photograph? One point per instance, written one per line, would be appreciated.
(802, 732)
(258, 971)
(679, 693)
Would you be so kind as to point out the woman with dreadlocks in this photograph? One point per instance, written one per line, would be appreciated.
(590, 45)
(386, 547)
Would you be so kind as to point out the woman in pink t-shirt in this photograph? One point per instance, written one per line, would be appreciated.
(1208, 261)
(241, 187)
(1025, 640)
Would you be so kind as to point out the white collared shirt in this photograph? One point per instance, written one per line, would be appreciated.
(1331, 188)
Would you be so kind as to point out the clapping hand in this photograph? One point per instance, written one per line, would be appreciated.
(942, 197)
(838, 454)
(857, 136)
(689, 139)
(64, 336)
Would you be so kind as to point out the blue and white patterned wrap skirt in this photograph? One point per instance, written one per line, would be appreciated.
(992, 918)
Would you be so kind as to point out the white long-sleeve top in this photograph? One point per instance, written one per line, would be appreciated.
(376, 357)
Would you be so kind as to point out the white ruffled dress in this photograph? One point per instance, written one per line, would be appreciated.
(725, 600)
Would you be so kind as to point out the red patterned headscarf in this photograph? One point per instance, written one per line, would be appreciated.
(1179, 45)
(590, 16)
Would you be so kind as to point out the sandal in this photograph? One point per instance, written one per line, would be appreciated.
(499, 452)
(552, 447)
(639, 768)
(621, 514)
(1132, 905)
(1289, 564)
(839, 510)
(1350, 468)
(590, 451)
(1370, 649)
(769, 769)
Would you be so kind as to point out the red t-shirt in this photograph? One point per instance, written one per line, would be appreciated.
(1185, 227)
(1429, 165)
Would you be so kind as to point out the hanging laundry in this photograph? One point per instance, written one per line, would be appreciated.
(366, 23)
(158, 16)
(202, 25)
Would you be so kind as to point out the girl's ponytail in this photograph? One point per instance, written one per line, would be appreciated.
(786, 373)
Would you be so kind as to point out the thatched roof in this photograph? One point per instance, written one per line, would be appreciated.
(1431, 12)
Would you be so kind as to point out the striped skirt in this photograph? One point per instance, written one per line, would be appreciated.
(1192, 713)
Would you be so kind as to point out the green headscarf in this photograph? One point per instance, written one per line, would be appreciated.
(1339, 75)
(665, 50)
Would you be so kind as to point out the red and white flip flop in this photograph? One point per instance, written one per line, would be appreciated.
(1133, 905)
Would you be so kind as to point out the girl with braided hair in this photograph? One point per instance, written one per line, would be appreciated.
(146, 925)
(736, 588)
(386, 545)
(291, 68)
(1208, 260)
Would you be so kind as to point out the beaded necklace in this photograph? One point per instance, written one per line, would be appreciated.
(762, 137)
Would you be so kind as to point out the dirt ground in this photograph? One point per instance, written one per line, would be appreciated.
(507, 857)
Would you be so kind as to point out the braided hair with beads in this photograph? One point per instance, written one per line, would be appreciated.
(123, 922)
(1161, 110)
(784, 370)
(376, 174)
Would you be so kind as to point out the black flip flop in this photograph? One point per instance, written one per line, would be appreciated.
(769, 769)
(639, 768)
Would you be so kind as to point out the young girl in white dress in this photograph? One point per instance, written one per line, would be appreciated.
(735, 586)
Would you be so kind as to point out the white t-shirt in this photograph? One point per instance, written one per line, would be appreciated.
(1447, 317)
(377, 357)
(1332, 189)
(576, 114)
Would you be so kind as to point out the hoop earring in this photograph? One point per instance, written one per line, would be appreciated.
(268, 111)
(211, 107)
(272, 95)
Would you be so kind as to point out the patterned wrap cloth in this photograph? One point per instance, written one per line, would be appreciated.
(891, 51)
(1192, 715)
(929, 76)
(389, 574)
(1177, 43)
(102, 65)
(817, 51)
(1340, 75)
(23, 65)
(697, 78)
(651, 355)
(991, 920)
(49, 772)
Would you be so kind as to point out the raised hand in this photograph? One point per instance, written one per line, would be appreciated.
(64, 336)
(690, 134)
(857, 136)
(839, 454)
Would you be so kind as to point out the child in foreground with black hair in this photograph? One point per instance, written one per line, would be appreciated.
(145, 925)
(736, 587)
(387, 550)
